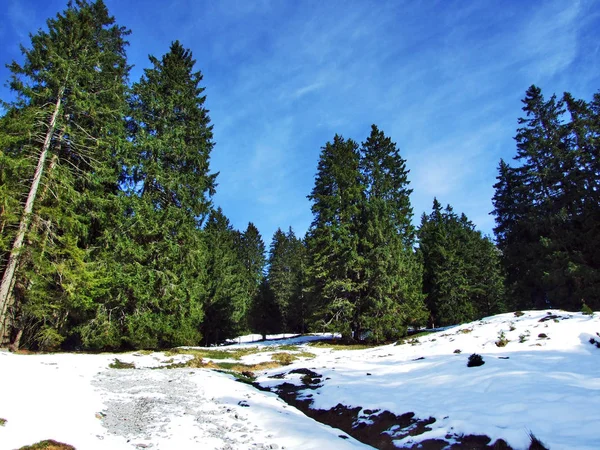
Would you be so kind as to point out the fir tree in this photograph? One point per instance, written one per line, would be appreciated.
(333, 237)
(391, 298)
(225, 305)
(160, 257)
(546, 206)
(251, 250)
(72, 85)
(285, 276)
(461, 269)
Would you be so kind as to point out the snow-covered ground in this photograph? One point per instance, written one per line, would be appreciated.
(544, 380)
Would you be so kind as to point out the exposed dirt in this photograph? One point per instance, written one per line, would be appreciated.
(376, 428)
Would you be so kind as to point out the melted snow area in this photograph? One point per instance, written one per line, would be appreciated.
(544, 380)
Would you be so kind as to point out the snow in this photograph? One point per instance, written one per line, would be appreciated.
(64, 397)
(548, 385)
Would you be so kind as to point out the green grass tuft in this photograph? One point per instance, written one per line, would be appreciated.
(118, 364)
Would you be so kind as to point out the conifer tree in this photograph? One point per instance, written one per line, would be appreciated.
(72, 84)
(251, 250)
(225, 305)
(334, 269)
(454, 257)
(161, 255)
(391, 298)
(285, 276)
(546, 206)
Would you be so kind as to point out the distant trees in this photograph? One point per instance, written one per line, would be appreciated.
(547, 206)
(462, 277)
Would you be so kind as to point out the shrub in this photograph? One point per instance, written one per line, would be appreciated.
(2, 422)
(48, 445)
(523, 337)
(519, 313)
(118, 364)
(475, 360)
(586, 310)
(543, 336)
(49, 339)
(457, 351)
(512, 327)
(502, 341)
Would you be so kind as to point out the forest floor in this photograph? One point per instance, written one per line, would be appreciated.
(540, 375)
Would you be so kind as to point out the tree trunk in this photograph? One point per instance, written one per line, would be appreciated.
(6, 298)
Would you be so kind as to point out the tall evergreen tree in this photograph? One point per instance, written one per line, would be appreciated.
(334, 269)
(392, 296)
(225, 305)
(72, 83)
(160, 255)
(251, 250)
(285, 276)
(546, 206)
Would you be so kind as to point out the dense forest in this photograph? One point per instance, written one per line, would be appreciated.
(109, 237)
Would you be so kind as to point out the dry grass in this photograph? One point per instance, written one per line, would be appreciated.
(337, 345)
(234, 353)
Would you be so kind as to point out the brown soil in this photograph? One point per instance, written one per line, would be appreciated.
(376, 428)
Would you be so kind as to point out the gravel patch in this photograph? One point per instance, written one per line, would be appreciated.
(148, 407)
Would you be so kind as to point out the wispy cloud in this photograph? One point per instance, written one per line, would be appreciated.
(443, 79)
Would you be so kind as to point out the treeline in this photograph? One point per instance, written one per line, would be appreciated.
(547, 205)
(109, 237)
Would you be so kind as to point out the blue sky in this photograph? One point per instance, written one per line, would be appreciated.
(444, 79)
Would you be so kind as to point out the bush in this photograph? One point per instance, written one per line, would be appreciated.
(457, 351)
(543, 336)
(586, 310)
(118, 364)
(475, 360)
(519, 313)
(48, 445)
(502, 341)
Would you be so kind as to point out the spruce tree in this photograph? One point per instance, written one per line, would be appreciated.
(285, 277)
(224, 304)
(454, 257)
(72, 85)
(391, 297)
(334, 268)
(546, 206)
(160, 256)
(251, 251)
